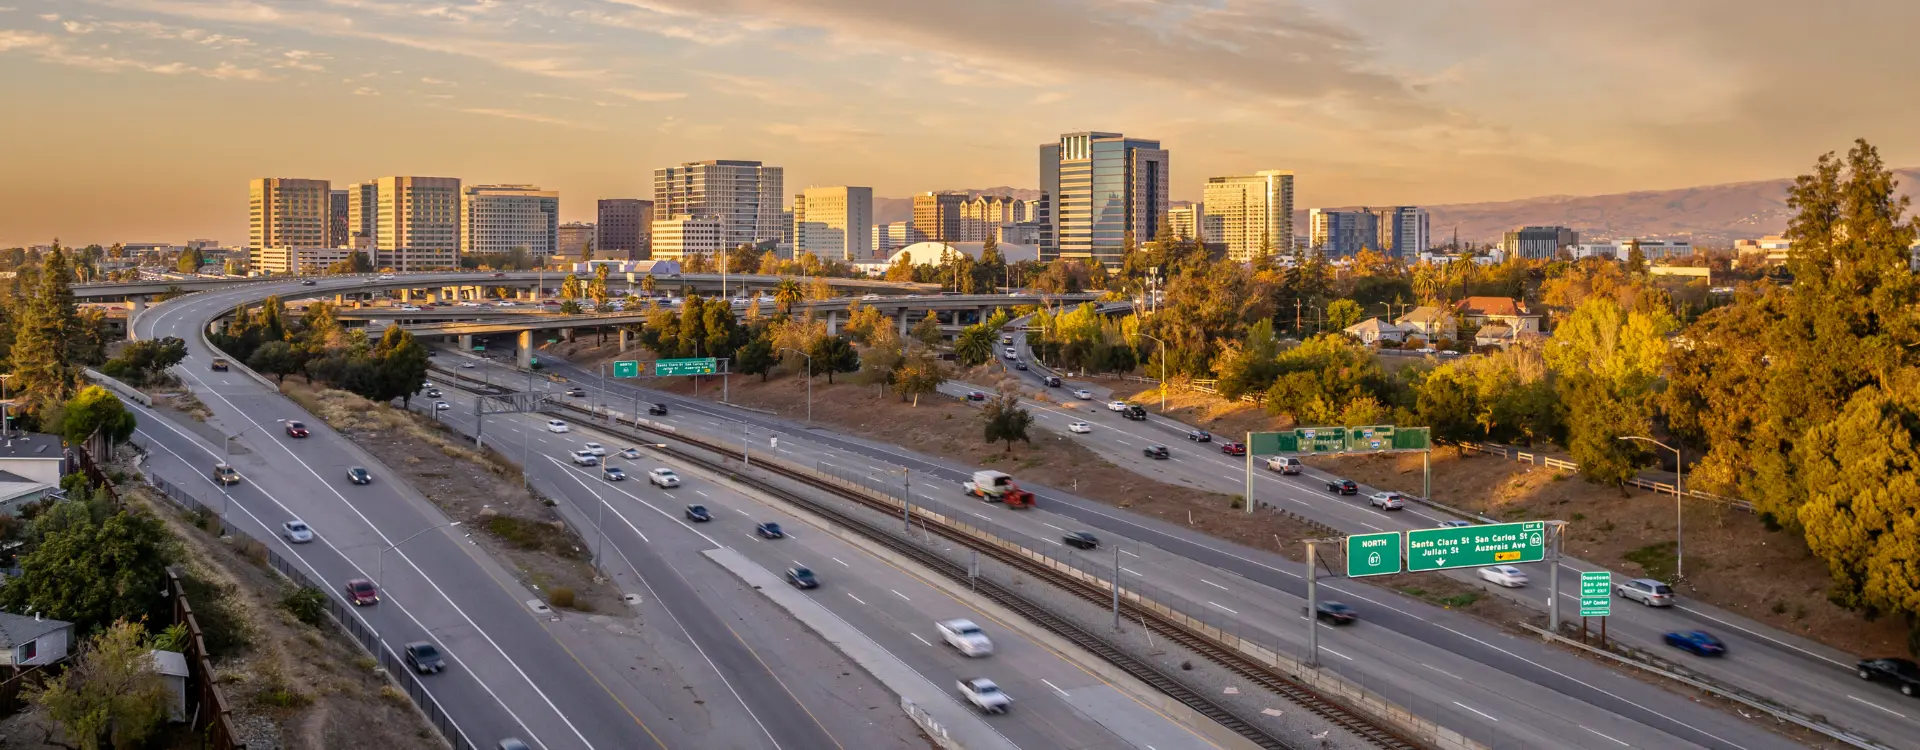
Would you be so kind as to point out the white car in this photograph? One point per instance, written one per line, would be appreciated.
(630, 453)
(584, 458)
(1116, 406)
(1080, 427)
(409, 308)
(985, 695)
(1083, 394)
(595, 449)
(556, 425)
(1504, 575)
(1386, 501)
(1284, 464)
(296, 531)
(441, 406)
(1011, 354)
(469, 304)
(965, 637)
(386, 277)
(663, 478)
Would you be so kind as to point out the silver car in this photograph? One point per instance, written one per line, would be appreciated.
(1646, 591)
(296, 531)
(1386, 501)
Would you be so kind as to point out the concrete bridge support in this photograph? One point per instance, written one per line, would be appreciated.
(833, 323)
(525, 353)
(466, 342)
(623, 339)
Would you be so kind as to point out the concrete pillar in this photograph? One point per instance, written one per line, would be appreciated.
(982, 314)
(136, 305)
(339, 300)
(433, 297)
(466, 342)
(623, 340)
(833, 322)
(526, 349)
(902, 317)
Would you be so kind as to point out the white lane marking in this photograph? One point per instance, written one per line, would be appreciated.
(1130, 570)
(1475, 710)
(982, 515)
(842, 564)
(1129, 554)
(1370, 526)
(898, 594)
(916, 636)
(855, 598)
(1051, 526)
(698, 492)
(742, 512)
(1591, 729)
(1442, 671)
(1056, 688)
(602, 501)
(1336, 653)
(1215, 585)
(1229, 611)
(1876, 705)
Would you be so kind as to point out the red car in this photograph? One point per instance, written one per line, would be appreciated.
(1233, 449)
(362, 592)
(295, 429)
(499, 275)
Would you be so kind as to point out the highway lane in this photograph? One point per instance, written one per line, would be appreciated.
(891, 605)
(1420, 626)
(1798, 673)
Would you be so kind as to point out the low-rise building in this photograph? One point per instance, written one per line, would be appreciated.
(1428, 321)
(1494, 335)
(1374, 330)
(1482, 311)
(33, 641)
(933, 253)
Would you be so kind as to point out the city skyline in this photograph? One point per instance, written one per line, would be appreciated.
(1368, 103)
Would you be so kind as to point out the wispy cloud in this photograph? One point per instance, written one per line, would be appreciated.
(58, 51)
(648, 96)
(514, 114)
(366, 91)
(767, 90)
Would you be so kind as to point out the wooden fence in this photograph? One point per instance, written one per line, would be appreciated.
(1556, 464)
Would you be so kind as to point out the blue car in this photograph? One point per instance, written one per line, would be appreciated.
(1698, 642)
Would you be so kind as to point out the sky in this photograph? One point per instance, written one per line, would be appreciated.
(143, 120)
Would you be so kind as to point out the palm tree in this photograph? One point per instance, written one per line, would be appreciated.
(785, 294)
(646, 284)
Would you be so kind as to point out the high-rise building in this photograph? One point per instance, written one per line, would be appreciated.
(418, 225)
(337, 219)
(1410, 236)
(936, 216)
(834, 223)
(363, 215)
(890, 237)
(681, 236)
(1096, 190)
(287, 213)
(1343, 233)
(498, 219)
(1255, 213)
(575, 238)
(1182, 222)
(1538, 242)
(623, 229)
(745, 196)
(984, 215)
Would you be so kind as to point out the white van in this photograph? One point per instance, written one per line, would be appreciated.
(556, 425)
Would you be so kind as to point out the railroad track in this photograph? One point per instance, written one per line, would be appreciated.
(1283, 685)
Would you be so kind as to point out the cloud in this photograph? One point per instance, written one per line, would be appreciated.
(55, 50)
(513, 114)
(366, 91)
(431, 81)
(76, 27)
(767, 90)
(648, 96)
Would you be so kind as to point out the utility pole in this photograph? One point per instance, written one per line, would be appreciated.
(1313, 601)
(1116, 588)
(1556, 534)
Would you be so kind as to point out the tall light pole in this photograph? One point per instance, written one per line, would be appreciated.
(381, 579)
(809, 379)
(1679, 492)
(1163, 370)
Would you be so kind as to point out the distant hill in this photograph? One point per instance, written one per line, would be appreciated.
(1712, 215)
(889, 210)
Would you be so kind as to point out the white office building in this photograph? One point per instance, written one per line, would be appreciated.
(744, 196)
(834, 223)
(1255, 213)
(681, 236)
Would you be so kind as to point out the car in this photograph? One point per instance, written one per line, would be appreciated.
(1386, 501)
(1116, 406)
(802, 578)
(985, 695)
(1646, 591)
(511, 743)
(1200, 436)
(1080, 540)
(296, 531)
(1284, 464)
(869, 297)
(1342, 487)
(630, 453)
(499, 275)
(408, 308)
(1011, 355)
(433, 393)
(219, 364)
(576, 392)
(965, 637)
(1136, 413)
(441, 406)
(1080, 428)
(386, 277)
(1052, 381)
(1233, 449)
(1157, 452)
(362, 592)
(583, 458)
(308, 282)
(557, 425)
(976, 396)
(225, 474)
(595, 449)
(1006, 340)
(1019, 365)
(1426, 350)
(466, 365)
(1903, 673)
(468, 303)
(656, 410)
(769, 530)
(1696, 642)
(296, 430)
(1454, 524)
(613, 474)
(1334, 612)
(1083, 394)
(359, 475)
(1504, 575)
(424, 657)
(663, 478)
(698, 514)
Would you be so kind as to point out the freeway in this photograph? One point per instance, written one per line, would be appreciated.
(558, 683)
(1061, 705)
(1494, 685)
(1791, 671)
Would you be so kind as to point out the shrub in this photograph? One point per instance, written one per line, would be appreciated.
(307, 604)
(560, 596)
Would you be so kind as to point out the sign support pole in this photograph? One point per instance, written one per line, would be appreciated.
(1553, 577)
(1116, 588)
(1249, 446)
(1426, 473)
(1313, 609)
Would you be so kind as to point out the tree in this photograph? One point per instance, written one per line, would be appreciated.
(190, 261)
(91, 572)
(276, 358)
(1342, 313)
(974, 346)
(833, 354)
(597, 291)
(901, 270)
(921, 374)
(647, 284)
(1248, 366)
(112, 695)
(1007, 421)
(42, 364)
(356, 262)
(785, 294)
(757, 357)
(1636, 258)
(95, 409)
(1862, 514)
(571, 307)
(927, 331)
(570, 288)
(143, 360)
(400, 366)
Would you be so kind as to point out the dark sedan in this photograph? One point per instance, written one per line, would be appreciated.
(1157, 451)
(1200, 436)
(698, 514)
(770, 531)
(1080, 540)
(1903, 673)
(424, 657)
(1336, 613)
(1342, 487)
(1697, 642)
(802, 578)
(359, 475)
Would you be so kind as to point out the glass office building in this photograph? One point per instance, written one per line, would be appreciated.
(1096, 189)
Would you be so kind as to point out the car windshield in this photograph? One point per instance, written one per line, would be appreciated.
(296, 526)
(664, 472)
(773, 526)
(802, 573)
(424, 651)
(987, 688)
(295, 425)
(361, 587)
(697, 508)
(1337, 607)
(966, 628)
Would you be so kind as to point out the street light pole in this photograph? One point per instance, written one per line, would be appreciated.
(809, 379)
(381, 579)
(1163, 370)
(1679, 517)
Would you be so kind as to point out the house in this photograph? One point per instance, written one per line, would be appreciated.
(1375, 330)
(1512, 313)
(1429, 322)
(172, 668)
(31, 465)
(32, 641)
(1494, 334)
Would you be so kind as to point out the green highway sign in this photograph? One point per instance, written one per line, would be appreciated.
(1373, 554)
(1373, 438)
(626, 368)
(1476, 546)
(1340, 440)
(1269, 443)
(1321, 439)
(696, 366)
(1596, 593)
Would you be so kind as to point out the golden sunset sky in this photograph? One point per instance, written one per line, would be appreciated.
(142, 120)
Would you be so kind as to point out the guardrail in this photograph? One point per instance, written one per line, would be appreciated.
(1557, 464)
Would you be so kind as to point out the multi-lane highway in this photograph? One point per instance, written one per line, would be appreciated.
(1469, 677)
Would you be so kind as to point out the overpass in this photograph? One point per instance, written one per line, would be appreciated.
(462, 285)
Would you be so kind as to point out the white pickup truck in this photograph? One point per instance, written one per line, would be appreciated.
(585, 458)
(965, 637)
(985, 695)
